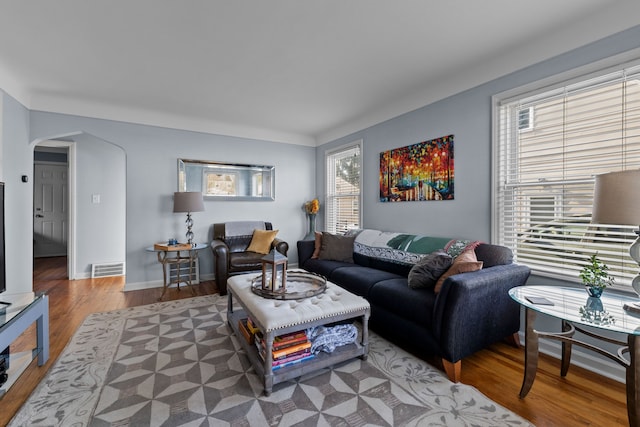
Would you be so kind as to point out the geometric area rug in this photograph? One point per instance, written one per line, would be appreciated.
(176, 363)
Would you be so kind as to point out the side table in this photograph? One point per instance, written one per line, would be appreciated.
(575, 309)
(167, 257)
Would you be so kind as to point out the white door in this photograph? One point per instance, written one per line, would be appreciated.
(50, 210)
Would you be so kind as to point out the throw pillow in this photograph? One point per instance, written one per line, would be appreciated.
(426, 272)
(261, 241)
(455, 247)
(466, 262)
(317, 246)
(337, 248)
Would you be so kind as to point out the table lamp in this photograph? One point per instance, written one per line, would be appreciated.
(616, 200)
(188, 201)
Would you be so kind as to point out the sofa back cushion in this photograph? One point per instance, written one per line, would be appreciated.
(237, 235)
(492, 255)
(399, 252)
(393, 252)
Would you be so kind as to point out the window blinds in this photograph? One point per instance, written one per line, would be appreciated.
(343, 189)
(545, 173)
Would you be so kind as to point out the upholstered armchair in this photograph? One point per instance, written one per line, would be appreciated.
(229, 244)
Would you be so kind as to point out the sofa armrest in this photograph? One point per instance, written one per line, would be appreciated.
(220, 264)
(305, 250)
(281, 246)
(474, 309)
(219, 248)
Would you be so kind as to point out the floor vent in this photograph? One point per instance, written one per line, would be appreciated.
(107, 270)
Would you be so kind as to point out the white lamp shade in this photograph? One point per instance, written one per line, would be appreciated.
(188, 201)
(616, 198)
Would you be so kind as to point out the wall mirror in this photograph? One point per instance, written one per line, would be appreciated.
(227, 181)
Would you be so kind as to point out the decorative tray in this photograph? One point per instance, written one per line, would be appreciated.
(299, 285)
(176, 247)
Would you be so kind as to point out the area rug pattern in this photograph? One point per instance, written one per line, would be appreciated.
(177, 364)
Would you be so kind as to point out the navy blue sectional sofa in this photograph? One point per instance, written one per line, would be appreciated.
(471, 311)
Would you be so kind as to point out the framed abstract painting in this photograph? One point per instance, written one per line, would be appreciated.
(422, 171)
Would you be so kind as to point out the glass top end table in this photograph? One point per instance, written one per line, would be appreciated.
(613, 311)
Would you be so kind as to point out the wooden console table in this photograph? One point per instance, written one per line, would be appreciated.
(15, 318)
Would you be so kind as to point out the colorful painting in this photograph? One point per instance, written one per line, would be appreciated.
(422, 171)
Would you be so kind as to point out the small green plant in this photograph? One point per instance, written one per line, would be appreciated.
(595, 274)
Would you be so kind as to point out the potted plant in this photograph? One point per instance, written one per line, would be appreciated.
(595, 276)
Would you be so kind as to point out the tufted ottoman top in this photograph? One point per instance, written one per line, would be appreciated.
(273, 314)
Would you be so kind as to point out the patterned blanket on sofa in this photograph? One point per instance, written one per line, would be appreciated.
(404, 248)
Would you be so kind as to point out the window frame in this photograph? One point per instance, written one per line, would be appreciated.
(330, 218)
(539, 88)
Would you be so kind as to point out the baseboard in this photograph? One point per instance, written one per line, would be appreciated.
(158, 283)
(582, 358)
(143, 285)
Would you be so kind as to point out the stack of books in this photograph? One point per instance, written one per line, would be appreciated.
(248, 329)
(246, 333)
(288, 349)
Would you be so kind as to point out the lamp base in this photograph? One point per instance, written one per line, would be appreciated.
(189, 223)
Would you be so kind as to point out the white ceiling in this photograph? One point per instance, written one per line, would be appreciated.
(296, 71)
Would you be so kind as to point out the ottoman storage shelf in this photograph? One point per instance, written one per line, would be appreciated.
(278, 317)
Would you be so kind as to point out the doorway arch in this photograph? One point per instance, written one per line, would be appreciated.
(96, 201)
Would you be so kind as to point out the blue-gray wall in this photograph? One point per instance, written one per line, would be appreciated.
(134, 169)
(151, 154)
(467, 116)
(17, 161)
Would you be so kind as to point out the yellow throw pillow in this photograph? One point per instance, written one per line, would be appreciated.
(261, 241)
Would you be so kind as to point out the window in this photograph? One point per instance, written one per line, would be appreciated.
(525, 119)
(544, 177)
(343, 173)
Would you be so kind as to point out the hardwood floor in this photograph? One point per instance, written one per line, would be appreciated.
(581, 399)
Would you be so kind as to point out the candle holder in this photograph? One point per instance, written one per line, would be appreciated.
(277, 264)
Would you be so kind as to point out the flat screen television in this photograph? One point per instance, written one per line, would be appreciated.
(3, 275)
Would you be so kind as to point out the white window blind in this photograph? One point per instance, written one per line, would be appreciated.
(545, 176)
(342, 204)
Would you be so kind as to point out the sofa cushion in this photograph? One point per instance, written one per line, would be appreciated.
(359, 280)
(237, 243)
(245, 261)
(395, 296)
(261, 241)
(428, 270)
(464, 263)
(336, 248)
(324, 267)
